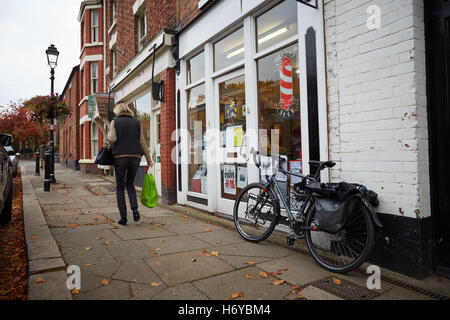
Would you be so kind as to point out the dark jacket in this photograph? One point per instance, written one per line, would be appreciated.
(127, 138)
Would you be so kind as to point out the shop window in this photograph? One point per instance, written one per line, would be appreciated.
(229, 50)
(277, 24)
(142, 106)
(197, 169)
(196, 68)
(279, 104)
(94, 26)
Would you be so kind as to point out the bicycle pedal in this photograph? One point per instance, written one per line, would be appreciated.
(290, 241)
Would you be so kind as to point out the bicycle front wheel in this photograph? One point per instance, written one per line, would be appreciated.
(346, 250)
(256, 212)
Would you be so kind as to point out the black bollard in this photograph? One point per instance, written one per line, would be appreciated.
(37, 172)
(47, 171)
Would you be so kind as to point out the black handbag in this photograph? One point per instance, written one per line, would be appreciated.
(104, 157)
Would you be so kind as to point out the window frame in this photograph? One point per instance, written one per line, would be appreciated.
(94, 79)
(94, 28)
(142, 29)
(95, 138)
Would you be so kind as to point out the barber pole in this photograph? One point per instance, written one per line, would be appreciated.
(286, 84)
(286, 90)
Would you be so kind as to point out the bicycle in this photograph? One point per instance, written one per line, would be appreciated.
(257, 212)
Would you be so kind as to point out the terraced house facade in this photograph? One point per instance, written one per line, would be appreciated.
(358, 82)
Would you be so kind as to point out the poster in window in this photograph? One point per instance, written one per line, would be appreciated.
(229, 179)
(296, 167)
(241, 177)
(230, 110)
(266, 167)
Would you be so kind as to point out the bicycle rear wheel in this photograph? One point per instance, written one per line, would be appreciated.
(256, 212)
(346, 250)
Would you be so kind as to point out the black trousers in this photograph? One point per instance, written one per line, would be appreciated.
(125, 169)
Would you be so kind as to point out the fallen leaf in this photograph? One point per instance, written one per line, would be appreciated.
(161, 240)
(39, 280)
(208, 230)
(278, 282)
(264, 293)
(215, 253)
(75, 291)
(337, 281)
(154, 253)
(263, 274)
(98, 238)
(441, 240)
(88, 248)
(33, 237)
(283, 269)
(238, 294)
(155, 284)
(205, 253)
(105, 282)
(296, 288)
(106, 243)
(249, 277)
(87, 265)
(139, 288)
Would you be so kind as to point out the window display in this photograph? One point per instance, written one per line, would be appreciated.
(197, 168)
(278, 102)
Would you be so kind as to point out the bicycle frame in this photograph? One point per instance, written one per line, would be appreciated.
(273, 181)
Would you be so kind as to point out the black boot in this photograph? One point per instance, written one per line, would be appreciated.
(123, 219)
(136, 216)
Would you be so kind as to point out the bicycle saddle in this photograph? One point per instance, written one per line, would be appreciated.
(323, 164)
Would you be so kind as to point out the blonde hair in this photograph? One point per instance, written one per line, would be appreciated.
(122, 108)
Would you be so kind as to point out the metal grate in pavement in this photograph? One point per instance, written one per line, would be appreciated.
(345, 289)
(413, 288)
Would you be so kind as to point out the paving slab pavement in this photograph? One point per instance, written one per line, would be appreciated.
(173, 253)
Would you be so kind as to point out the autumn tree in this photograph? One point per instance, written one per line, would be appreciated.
(16, 120)
(42, 107)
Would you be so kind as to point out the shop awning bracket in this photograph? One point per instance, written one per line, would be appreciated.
(309, 3)
(157, 87)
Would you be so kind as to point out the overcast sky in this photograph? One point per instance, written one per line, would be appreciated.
(27, 28)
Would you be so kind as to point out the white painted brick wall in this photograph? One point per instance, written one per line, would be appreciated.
(377, 101)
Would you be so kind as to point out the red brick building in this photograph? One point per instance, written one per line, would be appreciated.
(139, 31)
(92, 80)
(69, 129)
(118, 40)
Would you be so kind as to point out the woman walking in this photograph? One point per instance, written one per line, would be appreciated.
(128, 146)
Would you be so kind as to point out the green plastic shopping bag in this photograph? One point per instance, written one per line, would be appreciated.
(149, 194)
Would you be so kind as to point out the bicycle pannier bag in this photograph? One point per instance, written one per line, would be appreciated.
(330, 214)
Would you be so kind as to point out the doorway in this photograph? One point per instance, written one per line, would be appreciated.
(232, 123)
(437, 14)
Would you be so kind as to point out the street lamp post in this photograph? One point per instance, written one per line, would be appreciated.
(52, 58)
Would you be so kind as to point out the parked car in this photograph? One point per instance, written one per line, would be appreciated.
(6, 179)
(14, 159)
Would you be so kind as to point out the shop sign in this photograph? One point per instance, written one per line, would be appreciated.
(90, 105)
